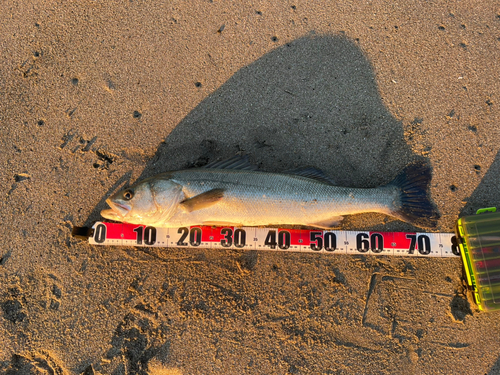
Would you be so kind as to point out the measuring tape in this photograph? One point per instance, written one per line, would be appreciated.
(411, 244)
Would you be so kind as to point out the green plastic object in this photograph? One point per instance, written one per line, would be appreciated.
(479, 241)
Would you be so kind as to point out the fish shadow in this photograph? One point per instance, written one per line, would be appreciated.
(486, 193)
(311, 102)
(101, 205)
(495, 369)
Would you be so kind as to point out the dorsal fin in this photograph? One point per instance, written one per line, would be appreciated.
(236, 162)
(313, 173)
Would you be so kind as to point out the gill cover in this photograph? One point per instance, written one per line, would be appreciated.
(149, 202)
(167, 195)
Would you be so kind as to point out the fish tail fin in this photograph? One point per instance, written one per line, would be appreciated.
(415, 205)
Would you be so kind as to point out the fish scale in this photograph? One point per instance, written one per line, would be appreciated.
(260, 198)
(232, 192)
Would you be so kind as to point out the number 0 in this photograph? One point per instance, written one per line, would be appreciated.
(100, 233)
(424, 244)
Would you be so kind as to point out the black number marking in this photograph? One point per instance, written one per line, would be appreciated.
(147, 234)
(413, 238)
(240, 238)
(316, 241)
(424, 244)
(271, 239)
(284, 240)
(377, 243)
(195, 236)
(150, 236)
(100, 233)
(228, 237)
(185, 232)
(365, 242)
(362, 243)
(455, 249)
(330, 241)
(138, 239)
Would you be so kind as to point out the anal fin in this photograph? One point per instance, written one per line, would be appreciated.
(222, 224)
(331, 223)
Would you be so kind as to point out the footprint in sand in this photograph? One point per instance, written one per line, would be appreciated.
(41, 363)
(138, 342)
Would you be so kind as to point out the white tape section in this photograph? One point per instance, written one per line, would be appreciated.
(411, 244)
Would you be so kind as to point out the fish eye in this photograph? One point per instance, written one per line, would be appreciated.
(128, 194)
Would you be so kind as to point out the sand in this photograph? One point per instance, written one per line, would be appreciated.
(97, 94)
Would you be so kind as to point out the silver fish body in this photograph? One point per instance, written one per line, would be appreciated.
(240, 196)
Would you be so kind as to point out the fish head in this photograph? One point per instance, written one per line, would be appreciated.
(147, 202)
(134, 201)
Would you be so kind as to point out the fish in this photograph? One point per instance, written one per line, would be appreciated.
(234, 192)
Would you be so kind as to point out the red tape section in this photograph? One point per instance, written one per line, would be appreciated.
(250, 238)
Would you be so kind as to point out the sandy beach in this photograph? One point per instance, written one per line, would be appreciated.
(95, 95)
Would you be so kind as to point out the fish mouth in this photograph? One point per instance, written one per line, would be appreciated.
(118, 211)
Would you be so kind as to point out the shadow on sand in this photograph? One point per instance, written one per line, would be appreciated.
(311, 102)
(486, 194)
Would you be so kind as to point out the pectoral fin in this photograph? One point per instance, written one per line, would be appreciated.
(328, 224)
(203, 200)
